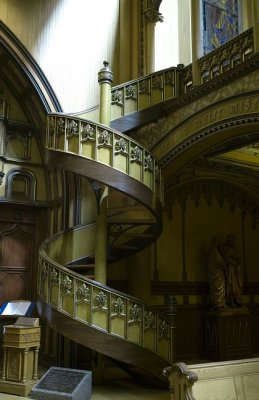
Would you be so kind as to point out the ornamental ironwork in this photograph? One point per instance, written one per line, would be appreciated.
(104, 138)
(136, 154)
(101, 300)
(87, 132)
(119, 307)
(83, 293)
(66, 286)
(121, 146)
(53, 277)
(134, 314)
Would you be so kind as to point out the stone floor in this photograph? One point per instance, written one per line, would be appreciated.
(117, 387)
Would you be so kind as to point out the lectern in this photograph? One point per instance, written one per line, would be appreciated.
(21, 343)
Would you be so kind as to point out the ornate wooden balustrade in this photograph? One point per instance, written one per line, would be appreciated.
(99, 306)
(175, 82)
(104, 145)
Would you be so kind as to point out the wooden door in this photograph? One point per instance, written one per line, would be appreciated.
(19, 242)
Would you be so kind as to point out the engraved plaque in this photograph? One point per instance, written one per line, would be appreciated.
(63, 383)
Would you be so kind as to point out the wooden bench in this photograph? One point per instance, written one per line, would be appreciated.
(226, 380)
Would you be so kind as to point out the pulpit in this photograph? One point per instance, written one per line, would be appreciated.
(21, 343)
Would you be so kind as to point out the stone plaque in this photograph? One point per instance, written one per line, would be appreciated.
(63, 383)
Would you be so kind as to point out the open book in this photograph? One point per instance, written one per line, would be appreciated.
(19, 307)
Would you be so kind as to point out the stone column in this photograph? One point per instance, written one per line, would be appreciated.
(256, 24)
(152, 16)
(101, 238)
(247, 15)
(196, 41)
(105, 78)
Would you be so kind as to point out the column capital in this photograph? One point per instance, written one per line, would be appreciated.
(153, 16)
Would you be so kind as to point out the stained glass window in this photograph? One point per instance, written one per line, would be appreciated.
(220, 22)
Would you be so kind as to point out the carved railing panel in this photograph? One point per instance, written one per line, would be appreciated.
(144, 92)
(104, 145)
(173, 82)
(102, 308)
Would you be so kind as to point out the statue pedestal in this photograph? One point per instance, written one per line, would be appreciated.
(227, 334)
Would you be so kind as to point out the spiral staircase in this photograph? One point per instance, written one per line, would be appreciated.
(90, 313)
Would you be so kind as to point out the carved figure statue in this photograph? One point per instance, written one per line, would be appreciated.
(234, 282)
(224, 271)
(217, 273)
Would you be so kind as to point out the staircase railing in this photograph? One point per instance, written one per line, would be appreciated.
(175, 82)
(104, 145)
(99, 306)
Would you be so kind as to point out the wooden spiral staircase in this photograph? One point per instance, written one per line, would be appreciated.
(94, 315)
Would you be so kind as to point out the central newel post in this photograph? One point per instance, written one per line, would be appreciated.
(105, 79)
